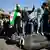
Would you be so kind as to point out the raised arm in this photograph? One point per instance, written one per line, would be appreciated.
(31, 10)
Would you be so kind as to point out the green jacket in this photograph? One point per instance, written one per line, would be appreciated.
(15, 15)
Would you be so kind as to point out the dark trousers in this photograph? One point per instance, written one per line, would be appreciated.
(17, 21)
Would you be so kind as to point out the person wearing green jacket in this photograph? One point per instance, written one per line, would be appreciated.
(17, 18)
(14, 14)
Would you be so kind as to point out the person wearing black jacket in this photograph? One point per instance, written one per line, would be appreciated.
(26, 18)
(45, 20)
(26, 13)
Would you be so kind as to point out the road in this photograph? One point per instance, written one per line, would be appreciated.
(4, 46)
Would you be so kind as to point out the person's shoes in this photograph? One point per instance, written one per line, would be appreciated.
(42, 33)
(38, 32)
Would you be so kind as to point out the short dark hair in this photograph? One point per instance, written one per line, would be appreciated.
(44, 4)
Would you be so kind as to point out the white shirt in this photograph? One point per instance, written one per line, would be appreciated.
(33, 14)
(40, 15)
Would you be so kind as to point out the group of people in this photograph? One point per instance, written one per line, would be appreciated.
(42, 17)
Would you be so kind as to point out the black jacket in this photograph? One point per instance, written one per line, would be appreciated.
(26, 13)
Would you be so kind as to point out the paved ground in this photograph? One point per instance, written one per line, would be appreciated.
(4, 46)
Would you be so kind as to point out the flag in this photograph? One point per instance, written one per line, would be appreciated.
(11, 18)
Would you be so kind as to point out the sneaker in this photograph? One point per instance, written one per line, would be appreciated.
(38, 32)
(42, 33)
